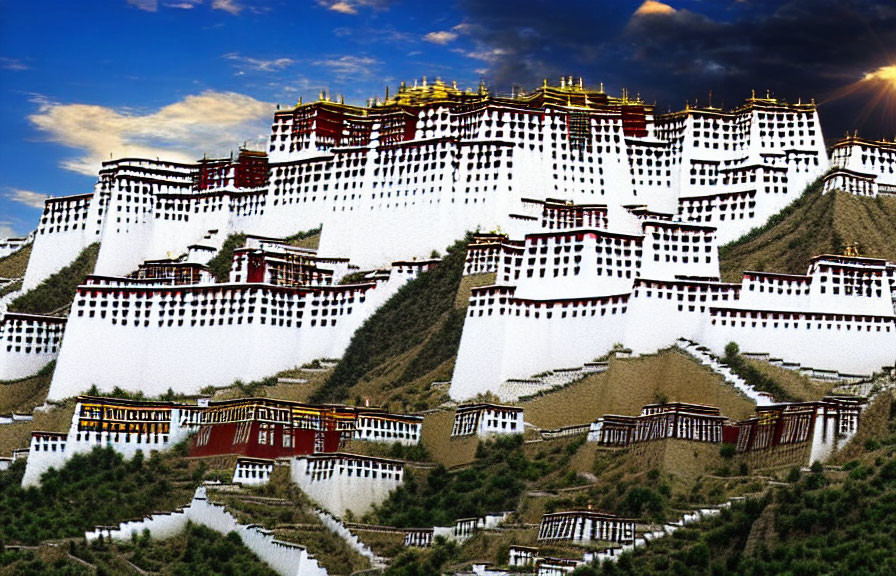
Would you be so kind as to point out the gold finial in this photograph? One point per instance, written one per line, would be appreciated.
(545, 83)
(601, 87)
(562, 82)
(851, 250)
(753, 94)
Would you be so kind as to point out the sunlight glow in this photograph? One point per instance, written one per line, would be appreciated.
(883, 74)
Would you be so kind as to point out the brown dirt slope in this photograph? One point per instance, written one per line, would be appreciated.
(629, 384)
(814, 224)
(13, 266)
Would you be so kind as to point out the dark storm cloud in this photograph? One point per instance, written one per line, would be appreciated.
(680, 50)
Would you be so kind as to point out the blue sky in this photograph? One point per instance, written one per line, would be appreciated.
(181, 78)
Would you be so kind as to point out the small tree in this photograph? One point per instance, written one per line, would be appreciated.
(732, 352)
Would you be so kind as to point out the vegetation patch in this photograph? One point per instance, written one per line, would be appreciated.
(96, 488)
(493, 483)
(221, 263)
(14, 265)
(815, 223)
(307, 239)
(58, 291)
(198, 550)
(755, 377)
(421, 318)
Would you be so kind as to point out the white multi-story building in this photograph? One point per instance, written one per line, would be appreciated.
(863, 167)
(340, 482)
(585, 527)
(485, 420)
(169, 326)
(378, 426)
(28, 342)
(567, 296)
(14, 244)
(399, 179)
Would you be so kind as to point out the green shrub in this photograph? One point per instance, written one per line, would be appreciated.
(223, 260)
(59, 289)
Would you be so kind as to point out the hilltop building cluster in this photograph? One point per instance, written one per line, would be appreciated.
(401, 178)
(863, 167)
(648, 196)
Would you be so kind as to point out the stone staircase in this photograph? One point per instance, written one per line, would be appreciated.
(515, 389)
(705, 357)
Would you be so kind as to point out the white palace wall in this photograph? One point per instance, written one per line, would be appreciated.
(346, 482)
(28, 342)
(507, 338)
(844, 342)
(67, 226)
(187, 338)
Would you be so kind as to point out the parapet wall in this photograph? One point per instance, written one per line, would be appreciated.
(284, 558)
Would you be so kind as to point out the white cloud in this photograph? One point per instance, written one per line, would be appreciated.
(345, 66)
(210, 122)
(258, 64)
(145, 5)
(187, 5)
(441, 37)
(12, 64)
(230, 6)
(27, 197)
(350, 6)
(343, 8)
(486, 55)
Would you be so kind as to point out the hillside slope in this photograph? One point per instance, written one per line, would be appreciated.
(14, 265)
(412, 337)
(58, 291)
(814, 224)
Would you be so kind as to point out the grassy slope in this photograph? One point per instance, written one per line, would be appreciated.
(14, 265)
(58, 290)
(814, 224)
(410, 338)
